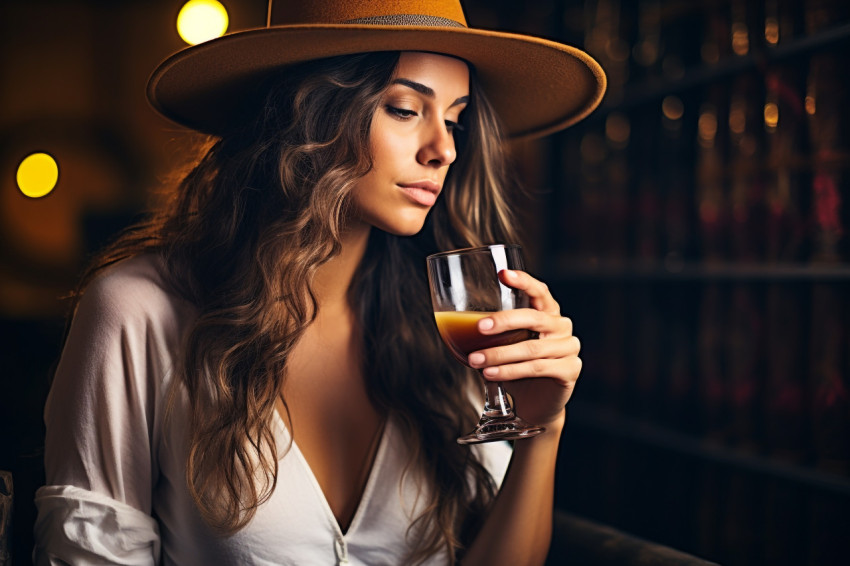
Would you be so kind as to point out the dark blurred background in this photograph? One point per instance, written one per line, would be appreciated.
(694, 228)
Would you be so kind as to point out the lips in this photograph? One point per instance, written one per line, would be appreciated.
(423, 193)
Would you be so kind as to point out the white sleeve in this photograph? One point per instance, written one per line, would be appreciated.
(77, 526)
(100, 419)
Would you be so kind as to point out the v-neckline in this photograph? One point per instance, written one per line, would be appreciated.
(368, 487)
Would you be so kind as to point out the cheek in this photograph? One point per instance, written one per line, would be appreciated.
(371, 197)
(362, 192)
(391, 144)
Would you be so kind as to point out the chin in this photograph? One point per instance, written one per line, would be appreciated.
(403, 231)
(400, 224)
(410, 228)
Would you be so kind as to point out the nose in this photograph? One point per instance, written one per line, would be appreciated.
(438, 147)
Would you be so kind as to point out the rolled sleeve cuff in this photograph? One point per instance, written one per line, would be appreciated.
(78, 526)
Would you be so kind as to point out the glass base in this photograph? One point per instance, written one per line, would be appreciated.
(490, 429)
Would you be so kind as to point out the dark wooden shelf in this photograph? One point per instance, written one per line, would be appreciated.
(586, 415)
(569, 270)
(650, 90)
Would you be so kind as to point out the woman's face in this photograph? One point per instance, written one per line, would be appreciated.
(411, 142)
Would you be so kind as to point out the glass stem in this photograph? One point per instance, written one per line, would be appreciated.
(496, 402)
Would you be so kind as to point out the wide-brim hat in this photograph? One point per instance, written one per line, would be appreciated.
(537, 86)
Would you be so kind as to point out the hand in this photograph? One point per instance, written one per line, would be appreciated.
(539, 375)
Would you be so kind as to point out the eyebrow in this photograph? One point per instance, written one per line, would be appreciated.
(427, 91)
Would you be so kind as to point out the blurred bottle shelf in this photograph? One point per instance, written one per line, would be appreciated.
(571, 270)
(653, 89)
(598, 419)
(700, 243)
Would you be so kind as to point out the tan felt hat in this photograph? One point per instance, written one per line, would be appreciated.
(537, 86)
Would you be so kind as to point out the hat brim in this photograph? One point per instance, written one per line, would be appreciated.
(537, 86)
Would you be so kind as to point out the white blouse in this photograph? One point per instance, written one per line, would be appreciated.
(115, 467)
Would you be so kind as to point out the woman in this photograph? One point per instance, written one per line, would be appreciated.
(252, 376)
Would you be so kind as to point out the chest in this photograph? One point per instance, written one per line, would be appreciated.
(296, 526)
(330, 415)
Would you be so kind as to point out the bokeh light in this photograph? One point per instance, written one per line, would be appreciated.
(37, 175)
(672, 107)
(738, 115)
(707, 126)
(740, 39)
(201, 20)
(811, 105)
(771, 31)
(617, 130)
(771, 116)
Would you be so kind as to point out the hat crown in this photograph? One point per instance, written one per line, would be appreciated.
(299, 12)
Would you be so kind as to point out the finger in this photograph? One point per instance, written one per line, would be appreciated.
(565, 370)
(531, 319)
(526, 350)
(537, 291)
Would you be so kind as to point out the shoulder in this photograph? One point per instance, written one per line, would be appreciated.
(134, 294)
(130, 282)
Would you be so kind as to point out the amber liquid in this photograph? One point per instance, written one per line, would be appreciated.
(459, 331)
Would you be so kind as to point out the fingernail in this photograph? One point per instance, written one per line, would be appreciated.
(490, 372)
(485, 324)
(476, 359)
(511, 274)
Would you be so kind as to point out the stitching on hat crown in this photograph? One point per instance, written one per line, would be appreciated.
(289, 12)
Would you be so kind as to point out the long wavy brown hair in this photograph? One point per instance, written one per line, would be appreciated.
(241, 237)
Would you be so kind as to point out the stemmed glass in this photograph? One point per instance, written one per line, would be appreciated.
(465, 288)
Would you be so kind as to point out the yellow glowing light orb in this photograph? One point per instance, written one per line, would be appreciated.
(201, 20)
(37, 175)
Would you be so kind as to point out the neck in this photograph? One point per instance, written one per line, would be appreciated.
(333, 279)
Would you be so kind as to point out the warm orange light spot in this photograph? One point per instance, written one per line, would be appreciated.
(738, 116)
(707, 126)
(771, 115)
(811, 106)
(37, 175)
(672, 108)
(740, 39)
(771, 31)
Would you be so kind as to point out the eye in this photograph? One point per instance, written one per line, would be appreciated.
(454, 126)
(400, 113)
